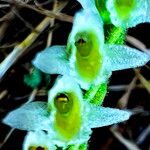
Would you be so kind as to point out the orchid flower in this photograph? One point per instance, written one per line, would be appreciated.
(66, 117)
(87, 58)
(122, 13)
(38, 140)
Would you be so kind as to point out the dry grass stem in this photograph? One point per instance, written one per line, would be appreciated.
(123, 101)
(128, 144)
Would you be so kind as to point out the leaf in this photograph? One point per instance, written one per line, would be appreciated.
(52, 60)
(101, 116)
(124, 57)
(31, 116)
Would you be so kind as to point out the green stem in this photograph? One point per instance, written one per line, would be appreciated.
(96, 94)
(116, 36)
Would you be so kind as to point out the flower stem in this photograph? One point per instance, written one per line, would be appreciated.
(116, 36)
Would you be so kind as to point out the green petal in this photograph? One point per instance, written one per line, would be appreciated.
(32, 116)
(52, 60)
(38, 140)
(124, 57)
(101, 116)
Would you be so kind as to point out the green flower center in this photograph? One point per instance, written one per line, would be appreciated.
(88, 58)
(63, 103)
(124, 8)
(67, 118)
(83, 44)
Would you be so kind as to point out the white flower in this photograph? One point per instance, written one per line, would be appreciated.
(122, 13)
(87, 58)
(68, 119)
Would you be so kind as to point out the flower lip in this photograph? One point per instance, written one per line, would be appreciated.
(63, 103)
(81, 43)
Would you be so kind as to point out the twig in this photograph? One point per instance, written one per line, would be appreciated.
(41, 4)
(57, 7)
(122, 103)
(59, 16)
(143, 135)
(51, 14)
(7, 18)
(20, 49)
(118, 87)
(27, 24)
(144, 82)
(32, 96)
(135, 42)
(3, 94)
(4, 5)
(7, 137)
(128, 144)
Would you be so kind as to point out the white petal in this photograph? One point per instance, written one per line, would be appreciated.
(124, 57)
(138, 15)
(101, 116)
(88, 4)
(147, 17)
(38, 139)
(52, 60)
(32, 116)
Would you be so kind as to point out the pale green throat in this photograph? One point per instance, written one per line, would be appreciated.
(88, 57)
(68, 115)
(124, 8)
